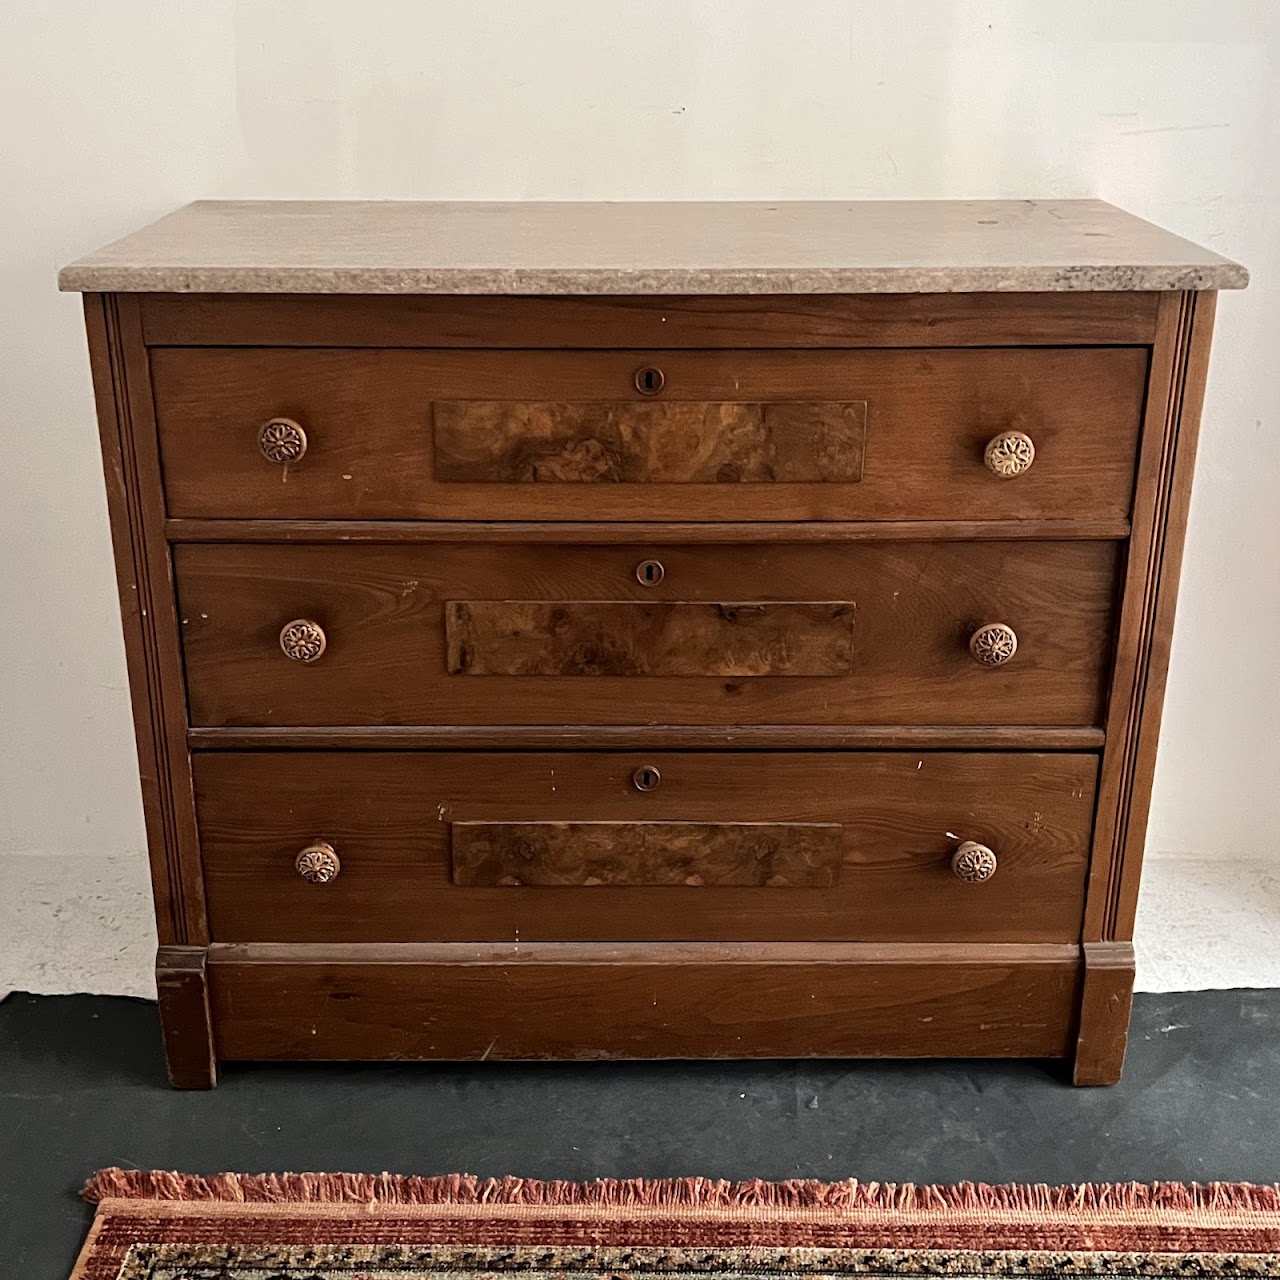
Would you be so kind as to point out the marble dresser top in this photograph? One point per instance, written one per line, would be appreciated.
(912, 246)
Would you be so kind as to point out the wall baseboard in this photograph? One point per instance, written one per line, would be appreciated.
(76, 923)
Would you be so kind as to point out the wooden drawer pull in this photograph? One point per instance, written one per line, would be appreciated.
(318, 863)
(1009, 454)
(994, 644)
(302, 640)
(973, 862)
(282, 440)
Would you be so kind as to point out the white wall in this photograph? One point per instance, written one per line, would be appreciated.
(119, 111)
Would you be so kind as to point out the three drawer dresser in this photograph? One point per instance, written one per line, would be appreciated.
(647, 630)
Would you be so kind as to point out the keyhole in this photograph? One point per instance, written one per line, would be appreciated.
(646, 778)
(649, 381)
(650, 572)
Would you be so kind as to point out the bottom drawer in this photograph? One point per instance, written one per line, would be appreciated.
(624, 846)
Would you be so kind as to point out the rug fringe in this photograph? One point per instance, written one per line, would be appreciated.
(463, 1188)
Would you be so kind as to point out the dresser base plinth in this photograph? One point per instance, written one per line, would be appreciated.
(182, 984)
(478, 1001)
(1105, 1005)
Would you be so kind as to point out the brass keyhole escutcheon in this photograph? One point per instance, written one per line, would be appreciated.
(649, 380)
(650, 572)
(646, 778)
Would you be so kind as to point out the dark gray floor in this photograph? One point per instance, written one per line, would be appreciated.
(82, 1086)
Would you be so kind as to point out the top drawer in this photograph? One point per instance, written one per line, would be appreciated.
(652, 435)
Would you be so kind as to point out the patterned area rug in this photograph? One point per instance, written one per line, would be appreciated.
(168, 1226)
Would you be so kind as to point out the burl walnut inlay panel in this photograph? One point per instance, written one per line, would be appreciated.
(662, 443)
(770, 854)
(620, 638)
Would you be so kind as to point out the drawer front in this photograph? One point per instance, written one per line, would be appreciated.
(453, 633)
(688, 435)
(633, 846)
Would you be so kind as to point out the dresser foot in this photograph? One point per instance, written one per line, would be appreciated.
(1104, 1012)
(183, 988)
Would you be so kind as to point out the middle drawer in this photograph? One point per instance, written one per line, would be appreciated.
(951, 633)
(714, 846)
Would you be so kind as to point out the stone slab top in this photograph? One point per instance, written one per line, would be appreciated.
(740, 247)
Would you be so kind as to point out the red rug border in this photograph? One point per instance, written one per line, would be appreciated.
(621, 1193)
(159, 1207)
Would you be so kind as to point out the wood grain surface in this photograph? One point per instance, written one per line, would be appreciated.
(693, 854)
(555, 1000)
(368, 419)
(1106, 1004)
(631, 638)
(148, 611)
(388, 815)
(738, 321)
(387, 662)
(482, 481)
(182, 988)
(595, 737)
(676, 442)
(1180, 367)
(669, 531)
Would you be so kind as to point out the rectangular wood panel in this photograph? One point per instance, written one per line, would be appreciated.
(742, 320)
(388, 661)
(768, 854)
(584, 532)
(650, 737)
(673, 638)
(367, 415)
(670, 442)
(643, 1001)
(898, 817)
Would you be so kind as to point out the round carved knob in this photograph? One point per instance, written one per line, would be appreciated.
(318, 863)
(646, 778)
(1009, 454)
(649, 381)
(973, 862)
(302, 640)
(994, 644)
(650, 572)
(282, 440)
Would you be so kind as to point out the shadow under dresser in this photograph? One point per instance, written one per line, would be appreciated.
(587, 631)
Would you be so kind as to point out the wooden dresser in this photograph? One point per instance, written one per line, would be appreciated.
(586, 631)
